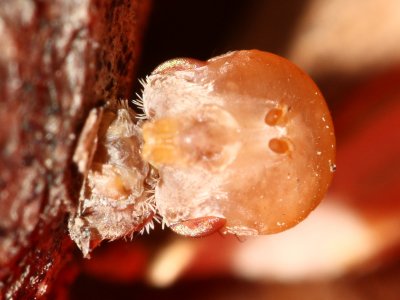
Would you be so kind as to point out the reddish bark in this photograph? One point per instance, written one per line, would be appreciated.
(58, 59)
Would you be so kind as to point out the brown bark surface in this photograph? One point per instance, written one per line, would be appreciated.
(58, 59)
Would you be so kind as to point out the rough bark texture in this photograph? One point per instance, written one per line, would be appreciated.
(58, 59)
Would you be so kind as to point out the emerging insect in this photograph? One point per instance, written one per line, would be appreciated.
(240, 144)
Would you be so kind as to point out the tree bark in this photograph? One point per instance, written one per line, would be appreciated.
(58, 59)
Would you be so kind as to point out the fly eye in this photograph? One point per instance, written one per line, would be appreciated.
(275, 116)
(279, 146)
(243, 143)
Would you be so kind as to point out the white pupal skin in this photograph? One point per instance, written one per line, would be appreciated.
(115, 199)
(245, 137)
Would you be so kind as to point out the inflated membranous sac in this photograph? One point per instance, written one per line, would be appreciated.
(243, 143)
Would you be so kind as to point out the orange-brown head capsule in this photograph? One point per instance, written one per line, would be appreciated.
(245, 137)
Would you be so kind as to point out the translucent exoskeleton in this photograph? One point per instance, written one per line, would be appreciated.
(242, 143)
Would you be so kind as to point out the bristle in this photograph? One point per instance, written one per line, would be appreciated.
(124, 103)
(164, 223)
(146, 206)
(157, 218)
(138, 102)
(141, 116)
(143, 81)
(147, 227)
